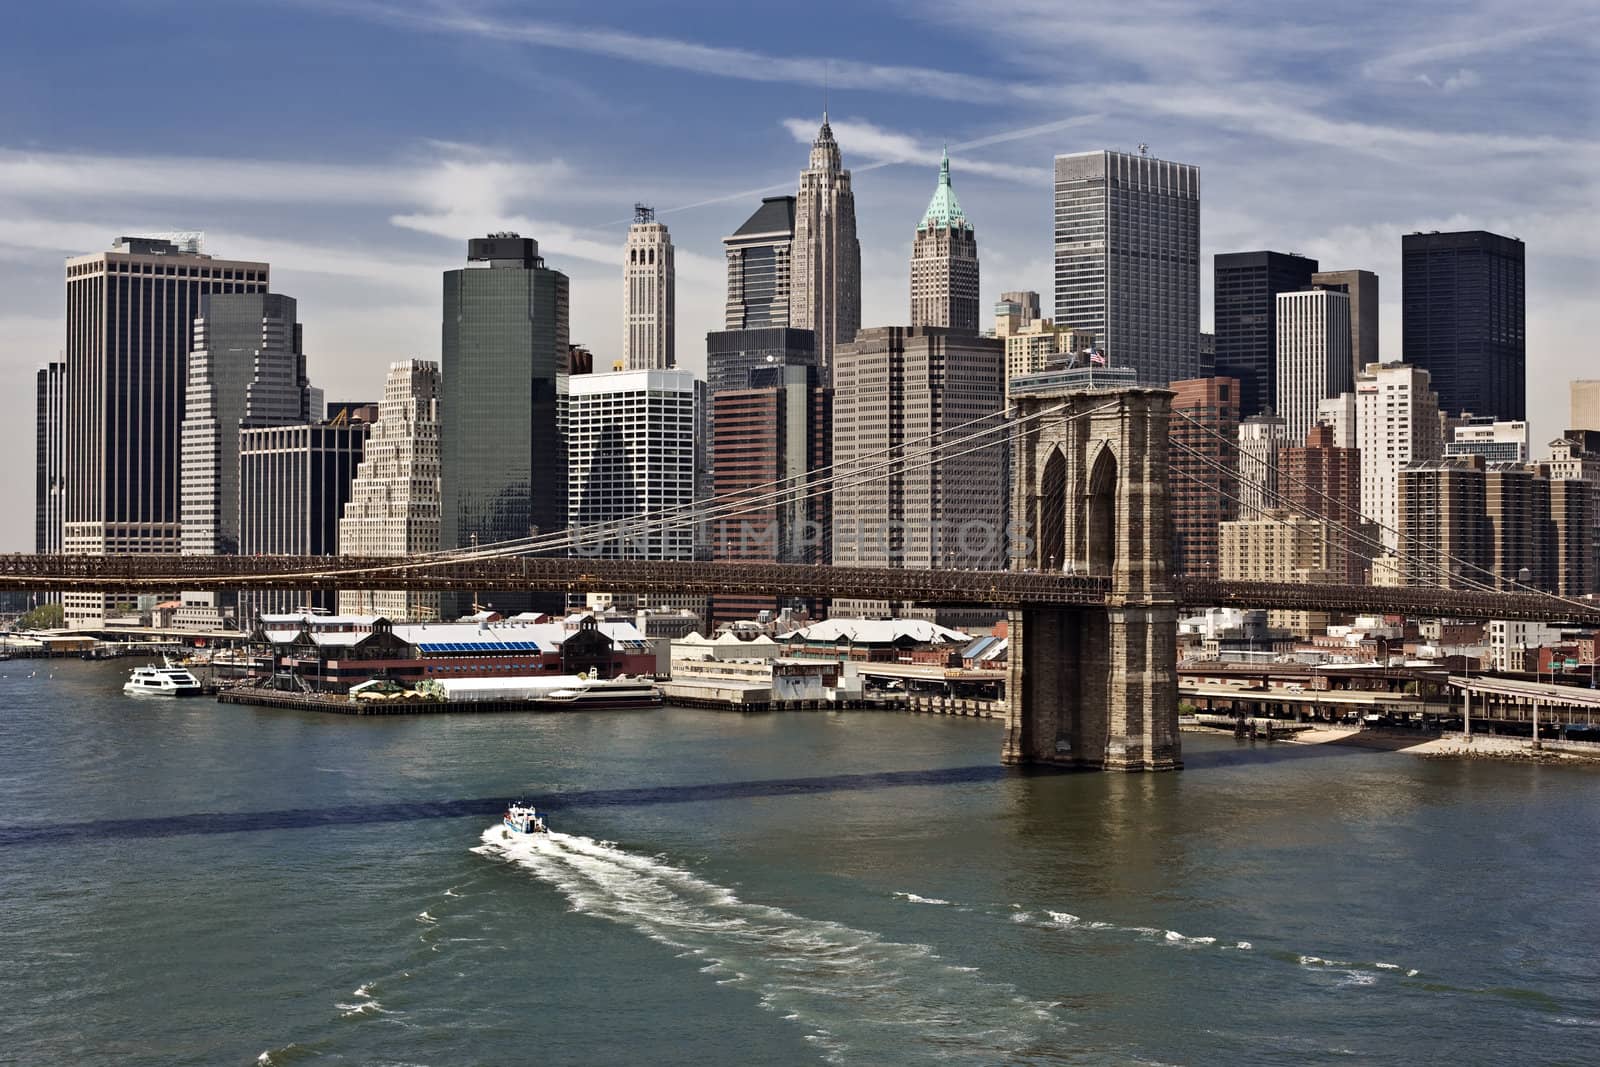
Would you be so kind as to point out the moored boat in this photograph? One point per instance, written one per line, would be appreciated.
(590, 692)
(163, 681)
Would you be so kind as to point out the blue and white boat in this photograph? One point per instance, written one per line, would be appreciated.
(524, 819)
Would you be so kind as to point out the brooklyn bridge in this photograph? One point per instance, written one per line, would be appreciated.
(1093, 606)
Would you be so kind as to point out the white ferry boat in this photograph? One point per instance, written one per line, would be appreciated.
(523, 819)
(623, 692)
(163, 681)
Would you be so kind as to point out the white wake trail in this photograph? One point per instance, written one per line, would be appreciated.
(860, 998)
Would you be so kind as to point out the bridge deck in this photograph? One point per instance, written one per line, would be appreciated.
(997, 589)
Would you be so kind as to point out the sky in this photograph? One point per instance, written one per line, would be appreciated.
(355, 145)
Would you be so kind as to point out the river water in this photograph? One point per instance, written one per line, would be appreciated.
(187, 883)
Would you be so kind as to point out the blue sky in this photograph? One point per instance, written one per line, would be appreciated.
(357, 144)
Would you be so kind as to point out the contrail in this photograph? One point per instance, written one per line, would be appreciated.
(981, 142)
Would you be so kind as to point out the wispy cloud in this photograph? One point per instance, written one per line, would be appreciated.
(692, 57)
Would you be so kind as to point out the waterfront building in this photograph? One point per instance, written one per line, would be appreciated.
(294, 482)
(1510, 639)
(1245, 288)
(1261, 438)
(1463, 316)
(130, 325)
(49, 454)
(1280, 546)
(633, 451)
(1397, 424)
(1496, 440)
(1585, 404)
(394, 501)
(825, 257)
(247, 367)
(1127, 259)
(1313, 355)
(944, 262)
(905, 386)
(334, 652)
(733, 355)
(503, 465)
(1443, 524)
(759, 257)
(1203, 495)
(1361, 287)
(1323, 480)
(649, 284)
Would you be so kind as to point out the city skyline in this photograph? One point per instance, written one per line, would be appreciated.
(360, 227)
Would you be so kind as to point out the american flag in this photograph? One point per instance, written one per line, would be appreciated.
(1097, 357)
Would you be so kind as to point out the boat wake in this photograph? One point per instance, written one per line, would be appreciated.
(860, 998)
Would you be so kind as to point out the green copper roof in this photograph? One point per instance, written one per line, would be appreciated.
(944, 210)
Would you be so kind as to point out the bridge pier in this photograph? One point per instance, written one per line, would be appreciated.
(1096, 687)
(1093, 688)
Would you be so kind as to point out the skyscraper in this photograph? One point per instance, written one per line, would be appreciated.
(247, 367)
(825, 292)
(897, 386)
(1127, 251)
(1261, 439)
(1444, 535)
(293, 485)
(944, 262)
(1323, 480)
(770, 434)
(648, 294)
(1361, 286)
(759, 269)
(1313, 355)
(1584, 401)
(503, 467)
(1397, 424)
(632, 451)
(1202, 494)
(130, 325)
(1245, 313)
(394, 501)
(49, 486)
(1462, 319)
(733, 355)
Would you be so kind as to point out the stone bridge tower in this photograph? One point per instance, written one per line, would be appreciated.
(1095, 687)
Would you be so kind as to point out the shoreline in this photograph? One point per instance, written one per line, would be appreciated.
(1455, 746)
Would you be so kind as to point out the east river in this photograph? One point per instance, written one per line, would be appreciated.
(188, 883)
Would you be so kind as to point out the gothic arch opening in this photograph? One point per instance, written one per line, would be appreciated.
(1053, 513)
(1100, 528)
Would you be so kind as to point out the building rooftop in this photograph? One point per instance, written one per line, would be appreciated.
(944, 211)
(775, 215)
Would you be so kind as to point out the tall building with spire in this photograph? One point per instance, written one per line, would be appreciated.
(825, 259)
(944, 262)
(648, 294)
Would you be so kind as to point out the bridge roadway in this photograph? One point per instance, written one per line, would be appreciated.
(998, 589)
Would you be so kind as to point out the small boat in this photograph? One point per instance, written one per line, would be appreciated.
(163, 681)
(523, 819)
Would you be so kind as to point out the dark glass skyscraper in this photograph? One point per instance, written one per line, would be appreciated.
(758, 266)
(1463, 319)
(502, 458)
(1245, 319)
